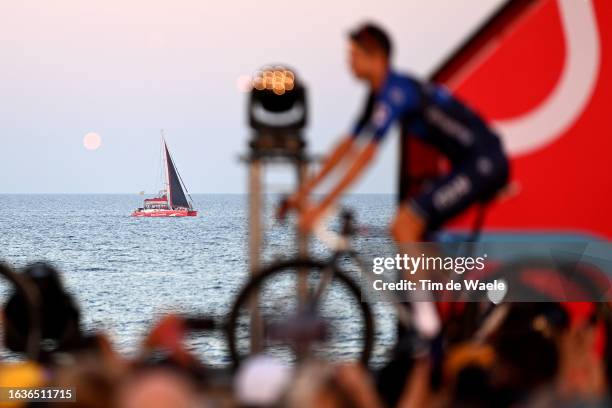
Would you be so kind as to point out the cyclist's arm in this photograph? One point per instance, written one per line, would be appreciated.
(383, 115)
(341, 152)
(338, 154)
(360, 162)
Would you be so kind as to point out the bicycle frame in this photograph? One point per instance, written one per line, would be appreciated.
(340, 244)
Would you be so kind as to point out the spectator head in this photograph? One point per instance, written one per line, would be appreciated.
(261, 381)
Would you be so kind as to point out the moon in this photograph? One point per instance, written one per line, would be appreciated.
(92, 141)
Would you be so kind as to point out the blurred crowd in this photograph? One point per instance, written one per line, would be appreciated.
(534, 355)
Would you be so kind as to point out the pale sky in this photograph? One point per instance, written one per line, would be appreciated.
(126, 69)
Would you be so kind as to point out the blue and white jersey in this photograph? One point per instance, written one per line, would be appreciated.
(429, 112)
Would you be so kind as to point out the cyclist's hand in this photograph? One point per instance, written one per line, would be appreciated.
(285, 205)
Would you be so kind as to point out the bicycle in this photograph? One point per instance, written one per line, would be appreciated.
(305, 327)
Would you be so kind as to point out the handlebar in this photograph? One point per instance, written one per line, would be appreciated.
(337, 241)
(283, 208)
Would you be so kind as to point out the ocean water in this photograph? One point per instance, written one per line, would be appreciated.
(125, 272)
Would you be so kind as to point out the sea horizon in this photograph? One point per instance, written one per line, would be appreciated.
(125, 272)
(146, 193)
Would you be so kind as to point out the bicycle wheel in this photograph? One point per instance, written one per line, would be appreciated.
(289, 325)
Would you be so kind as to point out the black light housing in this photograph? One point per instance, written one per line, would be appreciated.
(278, 110)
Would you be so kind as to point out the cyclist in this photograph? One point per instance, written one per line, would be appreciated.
(479, 167)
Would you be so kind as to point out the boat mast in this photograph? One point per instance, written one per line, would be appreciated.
(166, 153)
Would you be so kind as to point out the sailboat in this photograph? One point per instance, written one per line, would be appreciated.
(174, 200)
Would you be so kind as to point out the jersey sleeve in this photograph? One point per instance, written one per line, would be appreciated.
(376, 118)
(364, 117)
(397, 100)
(383, 116)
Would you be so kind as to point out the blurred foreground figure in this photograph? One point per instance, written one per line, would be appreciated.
(535, 358)
(323, 385)
(158, 388)
(164, 347)
(59, 315)
(21, 375)
(261, 381)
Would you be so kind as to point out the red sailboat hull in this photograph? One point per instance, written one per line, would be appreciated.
(165, 213)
